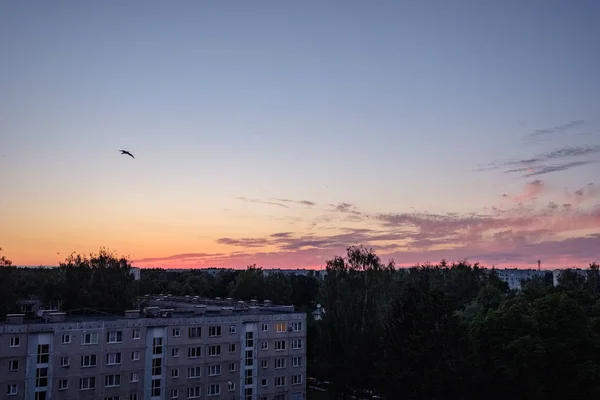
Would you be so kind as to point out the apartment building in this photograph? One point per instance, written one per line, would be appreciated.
(239, 352)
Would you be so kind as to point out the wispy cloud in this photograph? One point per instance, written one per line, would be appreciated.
(530, 191)
(301, 202)
(520, 231)
(557, 129)
(179, 257)
(545, 163)
(547, 169)
(261, 202)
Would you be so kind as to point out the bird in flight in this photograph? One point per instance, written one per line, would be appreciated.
(126, 152)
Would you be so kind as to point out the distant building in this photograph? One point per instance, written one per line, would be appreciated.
(514, 276)
(558, 272)
(214, 350)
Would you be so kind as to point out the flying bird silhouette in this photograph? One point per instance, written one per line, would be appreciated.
(126, 152)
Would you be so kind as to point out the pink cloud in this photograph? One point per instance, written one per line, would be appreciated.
(530, 191)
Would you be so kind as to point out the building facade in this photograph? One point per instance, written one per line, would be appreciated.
(233, 353)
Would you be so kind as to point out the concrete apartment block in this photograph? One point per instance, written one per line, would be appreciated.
(217, 350)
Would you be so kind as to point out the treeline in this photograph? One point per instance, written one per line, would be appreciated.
(456, 332)
(446, 331)
(251, 283)
(104, 282)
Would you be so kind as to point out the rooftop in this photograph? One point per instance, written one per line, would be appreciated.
(155, 307)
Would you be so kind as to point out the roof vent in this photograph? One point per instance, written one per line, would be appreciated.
(15, 319)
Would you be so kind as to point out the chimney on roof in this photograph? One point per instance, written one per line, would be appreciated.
(539, 265)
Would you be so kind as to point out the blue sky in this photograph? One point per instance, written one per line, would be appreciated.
(391, 106)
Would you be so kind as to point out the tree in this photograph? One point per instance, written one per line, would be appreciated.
(4, 262)
(355, 295)
(102, 282)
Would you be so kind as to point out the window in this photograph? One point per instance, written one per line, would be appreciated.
(65, 339)
(63, 384)
(231, 386)
(296, 326)
(232, 348)
(296, 379)
(88, 361)
(279, 345)
(87, 383)
(194, 372)
(157, 345)
(13, 365)
(232, 330)
(249, 339)
(265, 328)
(155, 392)
(42, 353)
(174, 393)
(114, 337)
(214, 331)
(264, 345)
(194, 352)
(135, 377)
(194, 392)
(11, 389)
(89, 338)
(112, 380)
(279, 396)
(15, 341)
(195, 332)
(296, 344)
(133, 396)
(175, 373)
(279, 363)
(214, 350)
(231, 367)
(41, 377)
(156, 366)
(248, 394)
(175, 352)
(64, 361)
(41, 395)
(297, 361)
(214, 370)
(176, 333)
(135, 356)
(135, 334)
(280, 381)
(248, 377)
(265, 363)
(249, 358)
(113, 358)
(214, 389)
(280, 327)
(264, 382)
(112, 398)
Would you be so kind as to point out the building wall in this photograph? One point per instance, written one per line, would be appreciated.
(137, 336)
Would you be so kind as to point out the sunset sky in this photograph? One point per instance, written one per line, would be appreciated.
(280, 132)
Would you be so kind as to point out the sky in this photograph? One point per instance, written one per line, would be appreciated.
(278, 133)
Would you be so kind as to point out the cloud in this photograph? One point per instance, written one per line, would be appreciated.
(545, 163)
(301, 202)
(580, 196)
(261, 202)
(530, 191)
(179, 257)
(557, 129)
(244, 242)
(547, 169)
